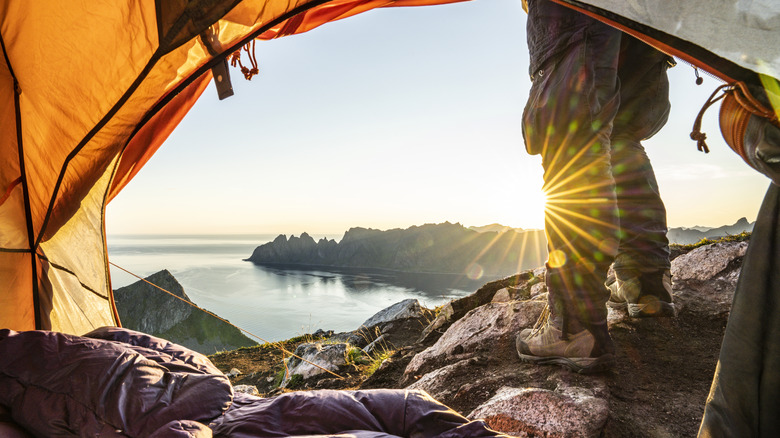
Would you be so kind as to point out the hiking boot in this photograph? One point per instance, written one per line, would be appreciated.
(546, 343)
(643, 294)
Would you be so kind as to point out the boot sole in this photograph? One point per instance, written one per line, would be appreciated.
(582, 365)
(665, 310)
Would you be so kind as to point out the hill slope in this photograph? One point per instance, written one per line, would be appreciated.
(147, 309)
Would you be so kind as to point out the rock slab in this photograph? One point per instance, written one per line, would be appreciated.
(524, 412)
(409, 308)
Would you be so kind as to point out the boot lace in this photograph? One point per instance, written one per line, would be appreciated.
(542, 321)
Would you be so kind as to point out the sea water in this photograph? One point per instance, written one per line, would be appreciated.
(275, 303)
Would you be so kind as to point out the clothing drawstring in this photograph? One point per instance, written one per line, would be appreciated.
(696, 133)
(746, 100)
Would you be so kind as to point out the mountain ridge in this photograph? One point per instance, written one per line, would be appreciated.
(449, 248)
(440, 248)
(686, 236)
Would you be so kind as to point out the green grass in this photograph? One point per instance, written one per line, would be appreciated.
(741, 237)
(295, 381)
(356, 356)
(206, 329)
(376, 361)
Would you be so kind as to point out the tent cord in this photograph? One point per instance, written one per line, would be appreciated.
(235, 58)
(275, 344)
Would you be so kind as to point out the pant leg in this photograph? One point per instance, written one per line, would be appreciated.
(744, 399)
(644, 109)
(568, 119)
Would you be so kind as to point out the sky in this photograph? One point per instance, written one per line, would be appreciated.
(393, 118)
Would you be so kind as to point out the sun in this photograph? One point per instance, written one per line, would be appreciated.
(526, 210)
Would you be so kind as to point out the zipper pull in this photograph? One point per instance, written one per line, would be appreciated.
(699, 79)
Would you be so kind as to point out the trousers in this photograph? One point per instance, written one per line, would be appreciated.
(596, 94)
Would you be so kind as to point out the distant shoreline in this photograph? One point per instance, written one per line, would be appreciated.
(367, 269)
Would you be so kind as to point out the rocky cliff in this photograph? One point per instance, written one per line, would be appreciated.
(145, 308)
(441, 248)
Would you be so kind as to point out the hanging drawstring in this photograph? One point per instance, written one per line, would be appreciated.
(235, 59)
(743, 97)
(696, 133)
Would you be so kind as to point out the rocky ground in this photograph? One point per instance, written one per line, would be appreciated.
(463, 354)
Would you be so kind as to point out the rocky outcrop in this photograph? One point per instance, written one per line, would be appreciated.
(562, 411)
(135, 302)
(548, 401)
(708, 275)
(441, 248)
(465, 357)
(146, 308)
(409, 308)
(488, 328)
(312, 359)
(332, 352)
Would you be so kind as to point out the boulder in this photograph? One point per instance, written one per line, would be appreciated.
(359, 338)
(563, 412)
(318, 358)
(409, 308)
(247, 389)
(438, 384)
(320, 333)
(704, 279)
(707, 262)
(492, 327)
(524, 285)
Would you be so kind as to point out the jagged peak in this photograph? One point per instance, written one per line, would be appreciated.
(280, 239)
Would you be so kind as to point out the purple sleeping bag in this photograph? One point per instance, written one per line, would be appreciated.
(114, 382)
(377, 413)
(59, 385)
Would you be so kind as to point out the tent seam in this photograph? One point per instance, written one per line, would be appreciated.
(64, 269)
(25, 186)
(106, 118)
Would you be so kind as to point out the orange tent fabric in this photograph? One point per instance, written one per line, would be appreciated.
(88, 92)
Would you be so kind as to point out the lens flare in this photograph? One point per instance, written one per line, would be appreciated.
(556, 259)
(475, 271)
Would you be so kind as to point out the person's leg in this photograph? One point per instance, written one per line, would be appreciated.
(642, 263)
(745, 392)
(568, 119)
